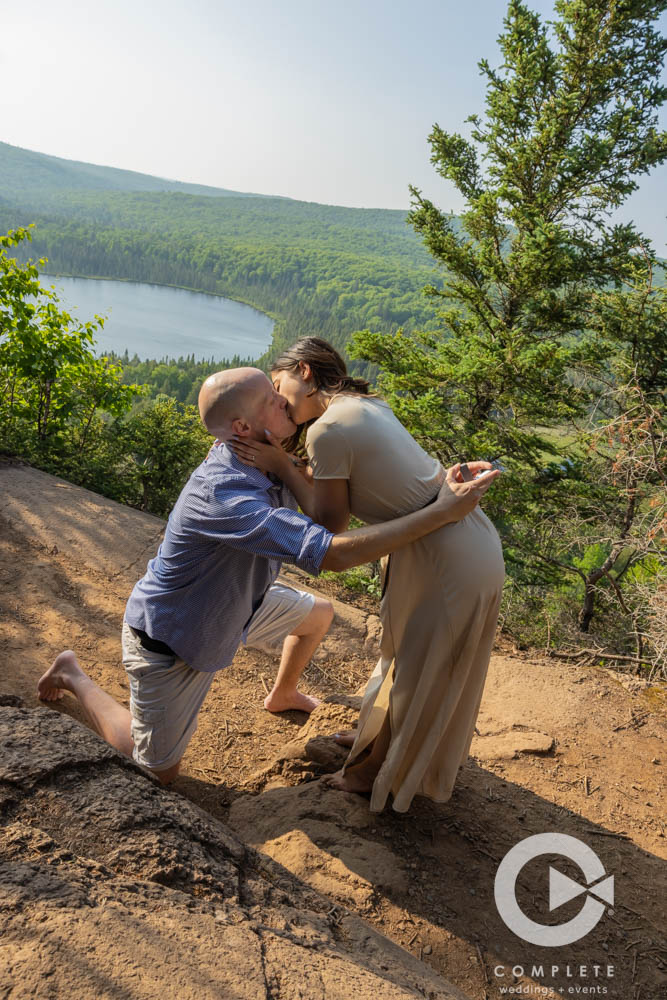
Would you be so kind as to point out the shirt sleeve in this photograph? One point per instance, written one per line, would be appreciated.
(249, 523)
(328, 451)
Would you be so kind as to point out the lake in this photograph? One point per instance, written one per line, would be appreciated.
(155, 321)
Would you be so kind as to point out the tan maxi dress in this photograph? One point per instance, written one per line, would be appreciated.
(439, 608)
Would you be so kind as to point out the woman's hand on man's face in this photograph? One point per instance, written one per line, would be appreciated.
(268, 457)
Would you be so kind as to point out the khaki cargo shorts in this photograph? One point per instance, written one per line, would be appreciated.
(166, 694)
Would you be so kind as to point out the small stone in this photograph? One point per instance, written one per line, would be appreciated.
(127, 886)
(427, 949)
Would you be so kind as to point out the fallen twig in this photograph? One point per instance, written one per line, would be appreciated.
(482, 963)
(634, 723)
(609, 833)
(207, 771)
(597, 654)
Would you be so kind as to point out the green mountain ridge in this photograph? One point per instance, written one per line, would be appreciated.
(20, 168)
(317, 269)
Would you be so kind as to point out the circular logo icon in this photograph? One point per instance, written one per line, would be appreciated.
(561, 889)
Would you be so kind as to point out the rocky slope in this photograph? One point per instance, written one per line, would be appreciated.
(577, 750)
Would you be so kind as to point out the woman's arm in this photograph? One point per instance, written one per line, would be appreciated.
(326, 501)
(455, 499)
(295, 480)
(331, 503)
(270, 456)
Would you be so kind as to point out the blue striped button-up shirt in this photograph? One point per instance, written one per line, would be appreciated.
(229, 532)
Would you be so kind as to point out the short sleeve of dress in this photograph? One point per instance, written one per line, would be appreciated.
(328, 451)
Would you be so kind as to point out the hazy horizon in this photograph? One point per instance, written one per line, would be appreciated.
(300, 100)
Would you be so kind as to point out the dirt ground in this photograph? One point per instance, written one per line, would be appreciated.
(559, 748)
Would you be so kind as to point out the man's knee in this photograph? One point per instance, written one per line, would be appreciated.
(166, 777)
(318, 619)
(323, 612)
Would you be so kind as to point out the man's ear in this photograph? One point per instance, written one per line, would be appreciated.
(241, 427)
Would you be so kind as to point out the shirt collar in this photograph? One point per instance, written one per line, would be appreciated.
(226, 457)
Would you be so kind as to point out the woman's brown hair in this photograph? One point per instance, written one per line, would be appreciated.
(329, 373)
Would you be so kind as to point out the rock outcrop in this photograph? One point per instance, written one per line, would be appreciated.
(112, 886)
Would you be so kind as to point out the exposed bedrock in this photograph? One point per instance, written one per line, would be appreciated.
(112, 886)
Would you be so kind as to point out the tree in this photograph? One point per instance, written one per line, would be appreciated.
(52, 383)
(626, 440)
(166, 441)
(70, 412)
(570, 123)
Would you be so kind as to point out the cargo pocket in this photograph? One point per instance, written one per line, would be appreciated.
(148, 730)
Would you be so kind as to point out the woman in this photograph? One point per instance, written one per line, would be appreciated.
(441, 595)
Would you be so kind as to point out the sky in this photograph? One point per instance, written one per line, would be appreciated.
(313, 99)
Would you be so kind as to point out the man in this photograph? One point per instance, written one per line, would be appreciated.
(212, 583)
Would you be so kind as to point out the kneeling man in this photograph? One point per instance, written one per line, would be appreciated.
(212, 583)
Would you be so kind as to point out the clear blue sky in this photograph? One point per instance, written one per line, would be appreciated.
(320, 100)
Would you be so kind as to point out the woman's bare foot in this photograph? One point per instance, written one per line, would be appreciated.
(346, 738)
(60, 677)
(285, 701)
(359, 778)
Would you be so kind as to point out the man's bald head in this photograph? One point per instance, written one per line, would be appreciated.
(236, 394)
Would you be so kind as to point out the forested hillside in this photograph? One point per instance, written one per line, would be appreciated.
(543, 342)
(22, 170)
(315, 268)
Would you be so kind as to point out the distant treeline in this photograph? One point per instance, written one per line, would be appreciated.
(181, 378)
(314, 268)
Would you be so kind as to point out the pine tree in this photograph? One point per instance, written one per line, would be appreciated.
(570, 125)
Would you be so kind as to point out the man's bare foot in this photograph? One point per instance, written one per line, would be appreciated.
(359, 779)
(59, 677)
(346, 738)
(280, 701)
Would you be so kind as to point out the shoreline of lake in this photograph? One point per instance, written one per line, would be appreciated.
(161, 284)
(144, 321)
